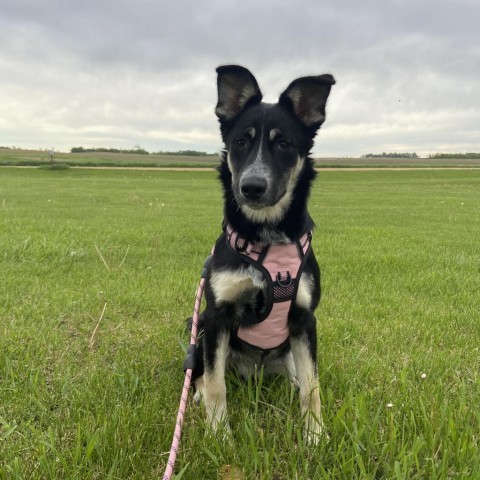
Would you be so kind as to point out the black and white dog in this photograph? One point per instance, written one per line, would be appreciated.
(263, 282)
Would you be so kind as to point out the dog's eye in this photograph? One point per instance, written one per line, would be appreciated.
(283, 145)
(241, 143)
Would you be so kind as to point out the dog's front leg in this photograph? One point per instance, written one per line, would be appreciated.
(304, 350)
(216, 349)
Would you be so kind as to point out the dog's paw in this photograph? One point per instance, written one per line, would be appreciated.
(314, 438)
(220, 430)
(197, 398)
(295, 383)
(314, 433)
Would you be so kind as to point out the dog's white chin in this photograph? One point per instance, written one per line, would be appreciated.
(273, 214)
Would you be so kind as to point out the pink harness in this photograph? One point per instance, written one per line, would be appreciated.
(282, 266)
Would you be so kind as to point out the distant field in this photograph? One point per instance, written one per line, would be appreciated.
(98, 271)
(397, 162)
(38, 158)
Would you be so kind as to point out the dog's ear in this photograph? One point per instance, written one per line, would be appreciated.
(307, 97)
(237, 87)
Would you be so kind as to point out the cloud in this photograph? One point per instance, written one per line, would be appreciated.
(119, 73)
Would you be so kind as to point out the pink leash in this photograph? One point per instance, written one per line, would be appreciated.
(188, 366)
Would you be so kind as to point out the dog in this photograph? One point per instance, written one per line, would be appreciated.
(262, 283)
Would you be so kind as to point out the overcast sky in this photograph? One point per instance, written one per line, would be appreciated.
(116, 73)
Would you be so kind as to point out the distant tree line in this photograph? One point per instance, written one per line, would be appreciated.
(454, 155)
(187, 153)
(390, 155)
(142, 151)
(108, 150)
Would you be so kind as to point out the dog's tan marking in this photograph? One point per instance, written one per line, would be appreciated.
(309, 390)
(290, 369)
(250, 131)
(214, 389)
(199, 389)
(273, 133)
(304, 292)
(230, 166)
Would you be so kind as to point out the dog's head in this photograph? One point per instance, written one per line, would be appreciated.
(267, 145)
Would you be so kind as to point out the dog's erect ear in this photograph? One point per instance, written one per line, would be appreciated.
(237, 87)
(307, 96)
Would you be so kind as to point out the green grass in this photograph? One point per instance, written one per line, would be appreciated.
(401, 267)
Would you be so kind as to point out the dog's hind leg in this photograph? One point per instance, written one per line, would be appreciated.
(304, 356)
(290, 369)
(214, 389)
(199, 390)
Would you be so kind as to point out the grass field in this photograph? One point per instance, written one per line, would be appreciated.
(98, 271)
(10, 157)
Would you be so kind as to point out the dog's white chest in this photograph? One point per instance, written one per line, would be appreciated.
(229, 285)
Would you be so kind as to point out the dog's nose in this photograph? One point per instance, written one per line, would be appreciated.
(253, 188)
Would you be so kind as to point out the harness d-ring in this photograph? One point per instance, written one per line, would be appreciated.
(239, 248)
(284, 283)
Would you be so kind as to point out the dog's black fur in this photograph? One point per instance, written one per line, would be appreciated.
(266, 173)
